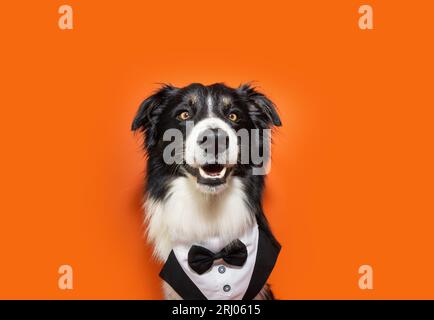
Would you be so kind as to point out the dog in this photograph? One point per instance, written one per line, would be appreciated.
(204, 186)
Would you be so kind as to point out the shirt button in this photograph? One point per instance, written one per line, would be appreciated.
(222, 269)
(227, 288)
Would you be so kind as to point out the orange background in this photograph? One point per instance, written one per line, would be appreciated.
(352, 176)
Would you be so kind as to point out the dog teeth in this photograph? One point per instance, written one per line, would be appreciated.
(202, 172)
(219, 176)
(222, 173)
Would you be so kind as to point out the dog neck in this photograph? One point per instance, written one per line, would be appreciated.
(189, 216)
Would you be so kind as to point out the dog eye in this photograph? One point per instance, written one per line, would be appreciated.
(185, 115)
(233, 117)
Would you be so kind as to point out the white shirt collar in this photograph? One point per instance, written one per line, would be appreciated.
(222, 281)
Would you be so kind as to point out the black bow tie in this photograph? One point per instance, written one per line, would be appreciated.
(201, 259)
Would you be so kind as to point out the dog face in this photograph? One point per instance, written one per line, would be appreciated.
(197, 131)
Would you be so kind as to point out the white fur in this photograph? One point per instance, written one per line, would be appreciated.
(209, 103)
(190, 216)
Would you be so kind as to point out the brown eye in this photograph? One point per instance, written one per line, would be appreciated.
(184, 116)
(233, 117)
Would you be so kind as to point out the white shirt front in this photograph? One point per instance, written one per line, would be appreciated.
(222, 281)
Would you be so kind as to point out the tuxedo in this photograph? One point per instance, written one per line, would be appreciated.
(221, 280)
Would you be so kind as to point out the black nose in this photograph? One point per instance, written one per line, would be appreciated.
(213, 141)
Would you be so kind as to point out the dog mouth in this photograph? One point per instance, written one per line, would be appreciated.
(212, 171)
(211, 175)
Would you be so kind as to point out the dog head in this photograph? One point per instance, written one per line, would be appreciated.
(208, 133)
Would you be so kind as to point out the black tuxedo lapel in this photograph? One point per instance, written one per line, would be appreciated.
(268, 251)
(266, 257)
(173, 274)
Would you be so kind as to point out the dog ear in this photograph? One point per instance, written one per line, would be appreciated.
(260, 107)
(149, 110)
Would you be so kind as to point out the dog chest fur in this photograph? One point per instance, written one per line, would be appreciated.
(188, 215)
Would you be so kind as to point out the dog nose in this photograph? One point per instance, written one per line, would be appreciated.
(215, 141)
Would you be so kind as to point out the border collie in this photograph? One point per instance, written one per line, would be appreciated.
(207, 157)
